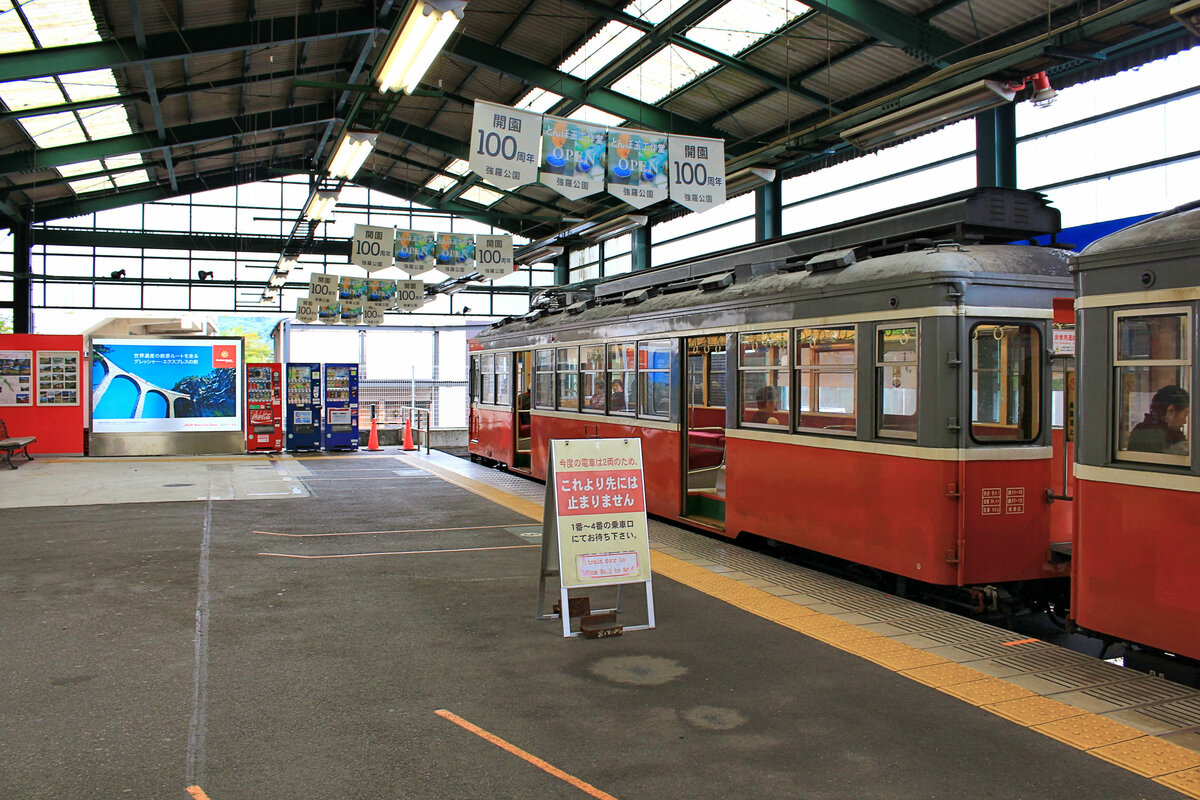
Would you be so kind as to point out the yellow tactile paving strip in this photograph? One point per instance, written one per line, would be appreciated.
(1169, 764)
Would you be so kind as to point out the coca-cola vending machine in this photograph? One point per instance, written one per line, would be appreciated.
(264, 408)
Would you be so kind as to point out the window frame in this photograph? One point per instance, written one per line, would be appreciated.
(645, 408)
(597, 376)
(562, 370)
(1002, 369)
(810, 374)
(782, 366)
(878, 330)
(544, 374)
(1116, 364)
(487, 381)
(625, 373)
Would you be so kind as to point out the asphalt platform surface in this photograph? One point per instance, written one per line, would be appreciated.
(151, 647)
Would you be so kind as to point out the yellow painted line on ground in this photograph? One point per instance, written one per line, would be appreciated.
(508, 747)
(197, 793)
(404, 552)
(1072, 726)
(375, 533)
(498, 496)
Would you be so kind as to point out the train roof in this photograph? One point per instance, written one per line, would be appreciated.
(1177, 225)
(824, 278)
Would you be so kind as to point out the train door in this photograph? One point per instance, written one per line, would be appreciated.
(522, 446)
(1062, 524)
(704, 430)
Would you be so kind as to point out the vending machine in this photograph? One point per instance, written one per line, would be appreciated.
(341, 406)
(264, 408)
(303, 406)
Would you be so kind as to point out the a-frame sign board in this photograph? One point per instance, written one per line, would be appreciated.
(595, 521)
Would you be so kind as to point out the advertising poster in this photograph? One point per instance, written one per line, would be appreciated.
(351, 311)
(57, 378)
(329, 312)
(504, 144)
(16, 377)
(371, 247)
(637, 166)
(573, 157)
(414, 251)
(166, 385)
(456, 254)
(697, 172)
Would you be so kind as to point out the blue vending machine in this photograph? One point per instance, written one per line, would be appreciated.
(303, 407)
(341, 406)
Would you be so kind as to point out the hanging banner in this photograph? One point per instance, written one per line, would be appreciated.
(381, 290)
(697, 173)
(637, 166)
(410, 295)
(414, 251)
(373, 314)
(306, 310)
(329, 312)
(371, 247)
(352, 290)
(573, 156)
(494, 256)
(352, 311)
(456, 254)
(322, 287)
(504, 144)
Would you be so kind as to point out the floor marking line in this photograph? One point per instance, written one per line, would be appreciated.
(197, 793)
(197, 721)
(498, 496)
(372, 533)
(508, 747)
(406, 552)
(1019, 641)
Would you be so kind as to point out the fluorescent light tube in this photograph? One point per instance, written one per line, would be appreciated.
(351, 152)
(421, 37)
(320, 206)
(928, 115)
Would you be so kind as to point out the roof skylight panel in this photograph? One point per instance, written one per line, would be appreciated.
(539, 101)
(596, 116)
(664, 72)
(54, 130)
(741, 23)
(13, 36)
(653, 11)
(61, 22)
(601, 50)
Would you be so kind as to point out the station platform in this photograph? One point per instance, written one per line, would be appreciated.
(363, 625)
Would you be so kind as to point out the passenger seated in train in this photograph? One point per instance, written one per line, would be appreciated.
(616, 401)
(765, 411)
(1162, 429)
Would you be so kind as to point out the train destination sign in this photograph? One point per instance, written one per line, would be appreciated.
(596, 517)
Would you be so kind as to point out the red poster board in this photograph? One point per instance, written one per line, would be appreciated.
(52, 414)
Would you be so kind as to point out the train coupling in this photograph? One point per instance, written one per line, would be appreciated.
(990, 598)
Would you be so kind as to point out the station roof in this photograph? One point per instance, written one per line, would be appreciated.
(110, 103)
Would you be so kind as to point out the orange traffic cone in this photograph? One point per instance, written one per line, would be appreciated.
(373, 439)
(408, 440)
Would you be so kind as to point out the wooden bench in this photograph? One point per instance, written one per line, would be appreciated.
(13, 444)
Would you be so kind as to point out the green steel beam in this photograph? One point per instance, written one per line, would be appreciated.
(505, 62)
(774, 81)
(918, 38)
(184, 135)
(256, 35)
(205, 242)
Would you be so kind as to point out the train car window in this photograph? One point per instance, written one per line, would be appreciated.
(825, 379)
(488, 377)
(503, 379)
(654, 379)
(706, 371)
(1153, 366)
(543, 379)
(567, 369)
(622, 378)
(896, 371)
(591, 377)
(1006, 380)
(764, 360)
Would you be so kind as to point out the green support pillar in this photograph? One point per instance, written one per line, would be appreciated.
(996, 147)
(22, 285)
(562, 269)
(639, 256)
(768, 211)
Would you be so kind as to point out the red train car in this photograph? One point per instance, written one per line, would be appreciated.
(1137, 483)
(851, 391)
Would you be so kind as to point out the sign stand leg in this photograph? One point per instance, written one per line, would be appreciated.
(566, 616)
